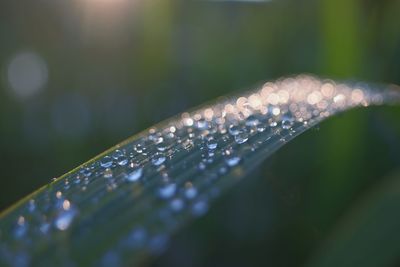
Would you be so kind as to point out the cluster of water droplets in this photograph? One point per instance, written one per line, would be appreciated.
(126, 203)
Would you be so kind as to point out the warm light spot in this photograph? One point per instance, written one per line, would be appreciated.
(273, 99)
(255, 101)
(21, 220)
(283, 96)
(339, 98)
(240, 102)
(327, 90)
(208, 114)
(314, 98)
(66, 204)
(357, 95)
(276, 111)
(229, 108)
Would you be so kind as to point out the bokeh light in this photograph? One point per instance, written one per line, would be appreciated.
(27, 74)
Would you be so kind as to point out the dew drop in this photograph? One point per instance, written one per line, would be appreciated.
(232, 160)
(134, 175)
(202, 124)
(287, 123)
(167, 191)
(108, 173)
(106, 162)
(252, 121)
(190, 192)
(212, 144)
(136, 238)
(199, 208)
(158, 159)
(139, 148)
(21, 227)
(241, 138)
(176, 204)
(234, 129)
(64, 219)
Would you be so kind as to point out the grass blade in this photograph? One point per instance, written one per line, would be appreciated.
(122, 206)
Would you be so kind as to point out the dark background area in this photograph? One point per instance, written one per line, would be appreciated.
(80, 76)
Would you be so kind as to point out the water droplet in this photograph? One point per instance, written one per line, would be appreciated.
(31, 205)
(252, 121)
(167, 191)
(202, 124)
(232, 160)
(123, 160)
(241, 137)
(135, 175)
(234, 129)
(161, 147)
(108, 173)
(212, 144)
(106, 162)
(158, 243)
(158, 159)
(111, 258)
(202, 166)
(21, 227)
(190, 192)
(136, 238)
(287, 123)
(44, 227)
(199, 208)
(176, 204)
(64, 219)
(139, 148)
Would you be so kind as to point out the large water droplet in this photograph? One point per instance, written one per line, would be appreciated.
(106, 162)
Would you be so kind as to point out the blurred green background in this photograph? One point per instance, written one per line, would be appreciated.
(79, 76)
